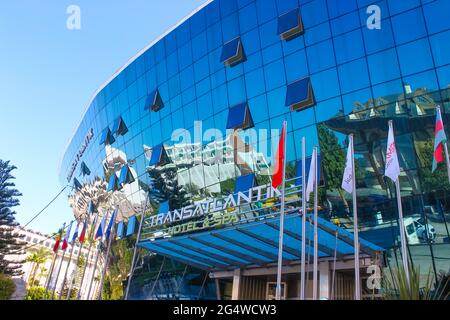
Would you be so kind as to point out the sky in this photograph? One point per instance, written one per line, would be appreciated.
(48, 73)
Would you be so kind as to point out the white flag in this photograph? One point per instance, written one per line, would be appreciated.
(311, 175)
(392, 166)
(347, 179)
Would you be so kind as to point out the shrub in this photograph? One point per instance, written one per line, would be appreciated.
(7, 287)
(37, 293)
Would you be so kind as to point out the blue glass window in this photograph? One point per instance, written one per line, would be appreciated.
(436, 15)
(84, 169)
(320, 56)
(107, 137)
(440, 45)
(349, 46)
(154, 101)
(296, 65)
(125, 175)
(131, 228)
(408, 26)
(300, 94)
(383, 66)
(159, 156)
(119, 127)
(325, 84)
(120, 229)
(415, 57)
(378, 39)
(76, 184)
(353, 76)
(290, 25)
(239, 117)
(245, 183)
(113, 184)
(396, 6)
(314, 12)
(232, 52)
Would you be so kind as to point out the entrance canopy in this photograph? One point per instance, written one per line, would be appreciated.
(256, 244)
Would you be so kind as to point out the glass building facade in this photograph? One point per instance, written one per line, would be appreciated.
(209, 98)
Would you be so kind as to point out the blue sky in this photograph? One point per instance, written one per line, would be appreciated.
(48, 74)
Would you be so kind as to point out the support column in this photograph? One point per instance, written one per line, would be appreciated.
(236, 284)
(218, 295)
(324, 280)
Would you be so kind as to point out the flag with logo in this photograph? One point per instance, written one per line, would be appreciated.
(66, 238)
(439, 139)
(311, 176)
(277, 178)
(347, 179)
(111, 223)
(58, 239)
(101, 228)
(392, 169)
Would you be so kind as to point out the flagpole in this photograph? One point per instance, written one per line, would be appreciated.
(303, 253)
(87, 257)
(94, 271)
(72, 282)
(355, 224)
(281, 235)
(57, 274)
(315, 261)
(401, 223)
(49, 276)
(67, 271)
(135, 248)
(106, 261)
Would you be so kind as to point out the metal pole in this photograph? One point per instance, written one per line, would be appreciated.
(72, 282)
(280, 241)
(93, 272)
(111, 235)
(135, 249)
(67, 271)
(49, 275)
(87, 257)
(355, 224)
(402, 231)
(57, 274)
(315, 261)
(303, 252)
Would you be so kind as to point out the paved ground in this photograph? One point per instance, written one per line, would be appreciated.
(21, 289)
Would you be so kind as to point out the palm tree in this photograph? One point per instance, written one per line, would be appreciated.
(37, 258)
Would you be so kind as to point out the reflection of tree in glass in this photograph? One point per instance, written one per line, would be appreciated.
(432, 182)
(164, 187)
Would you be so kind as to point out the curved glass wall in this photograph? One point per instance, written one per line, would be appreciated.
(206, 104)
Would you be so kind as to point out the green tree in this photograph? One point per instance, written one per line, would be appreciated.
(165, 187)
(7, 287)
(37, 258)
(436, 182)
(333, 160)
(37, 293)
(10, 241)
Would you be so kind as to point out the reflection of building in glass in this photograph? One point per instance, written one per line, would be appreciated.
(248, 65)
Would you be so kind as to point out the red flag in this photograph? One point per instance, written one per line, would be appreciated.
(57, 240)
(83, 232)
(277, 178)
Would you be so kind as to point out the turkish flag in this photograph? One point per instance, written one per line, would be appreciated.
(277, 178)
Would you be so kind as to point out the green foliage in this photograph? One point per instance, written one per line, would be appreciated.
(37, 258)
(165, 187)
(10, 241)
(431, 182)
(397, 288)
(7, 287)
(37, 293)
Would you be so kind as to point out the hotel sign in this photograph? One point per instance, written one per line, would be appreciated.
(210, 206)
(87, 140)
